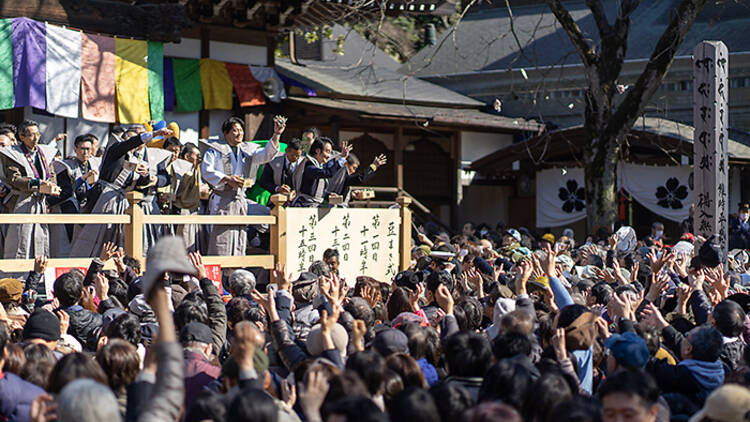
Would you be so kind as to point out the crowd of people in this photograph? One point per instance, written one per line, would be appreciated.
(174, 177)
(489, 325)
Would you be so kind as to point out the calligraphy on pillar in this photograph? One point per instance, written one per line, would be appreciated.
(711, 122)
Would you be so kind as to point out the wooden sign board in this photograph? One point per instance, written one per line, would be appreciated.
(367, 240)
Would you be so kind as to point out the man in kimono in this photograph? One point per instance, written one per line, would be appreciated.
(278, 175)
(75, 177)
(185, 193)
(27, 171)
(313, 174)
(230, 167)
(121, 171)
(157, 160)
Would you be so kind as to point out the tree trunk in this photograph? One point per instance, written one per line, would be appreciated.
(600, 175)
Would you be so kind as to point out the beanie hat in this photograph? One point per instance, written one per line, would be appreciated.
(42, 324)
(314, 341)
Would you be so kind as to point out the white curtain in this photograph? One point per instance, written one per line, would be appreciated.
(63, 71)
(560, 197)
(665, 191)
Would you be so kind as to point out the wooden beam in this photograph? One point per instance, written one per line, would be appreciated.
(456, 180)
(204, 118)
(405, 234)
(271, 50)
(64, 219)
(156, 22)
(263, 261)
(398, 157)
(222, 220)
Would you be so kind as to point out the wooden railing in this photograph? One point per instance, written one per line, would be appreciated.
(134, 219)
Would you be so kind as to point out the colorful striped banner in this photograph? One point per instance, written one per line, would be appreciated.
(215, 85)
(156, 80)
(6, 64)
(187, 84)
(29, 63)
(98, 78)
(131, 81)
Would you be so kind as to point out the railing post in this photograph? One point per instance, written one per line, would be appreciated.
(278, 230)
(405, 239)
(134, 230)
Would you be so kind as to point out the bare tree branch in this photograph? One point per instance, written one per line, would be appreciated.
(656, 69)
(597, 11)
(588, 57)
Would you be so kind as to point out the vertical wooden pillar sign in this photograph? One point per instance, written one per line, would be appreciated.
(278, 230)
(711, 121)
(405, 237)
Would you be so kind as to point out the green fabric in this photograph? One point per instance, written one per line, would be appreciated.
(156, 80)
(187, 84)
(257, 193)
(6, 65)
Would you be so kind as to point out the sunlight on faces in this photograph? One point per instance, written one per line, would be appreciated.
(351, 168)
(235, 135)
(621, 407)
(30, 138)
(323, 155)
(5, 141)
(83, 151)
(293, 154)
(174, 149)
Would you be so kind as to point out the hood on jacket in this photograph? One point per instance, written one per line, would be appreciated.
(709, 375)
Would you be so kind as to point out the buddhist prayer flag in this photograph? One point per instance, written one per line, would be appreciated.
(6, 65)
(249, 90)
(29, 70)
(63, 71)
(262, 74)
(131, 81)
(156, 80)
(98, 78)
(216, 85)
(168, 85)
(187, 84)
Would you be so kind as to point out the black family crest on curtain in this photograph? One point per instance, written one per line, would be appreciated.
(671, 194)
(573, 196)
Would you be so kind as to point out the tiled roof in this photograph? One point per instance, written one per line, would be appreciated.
(483, 40)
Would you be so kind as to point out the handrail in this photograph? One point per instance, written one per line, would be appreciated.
(228, 220)
(64, 219)
(397, 191)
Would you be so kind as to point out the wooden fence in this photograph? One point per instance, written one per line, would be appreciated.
(134, 219)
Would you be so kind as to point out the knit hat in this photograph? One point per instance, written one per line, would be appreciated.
(728, 403)
(549, 237)
(483, 266)
(581, 333)
(167, 255)
(42, 324)
(314, 341)
(11, 290)
(391, 341)
(514, 234)
(628, 349)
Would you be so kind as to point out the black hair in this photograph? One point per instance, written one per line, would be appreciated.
(370, 367)
(72, 367)
(117, 130)
(207, 405)
(330, 253)
(294, 144)
(171, 141)
(3, 337)
(132, 263)
(7, 128)
(127, 327)
(187, 149)
(348, 383)
(191, 309)
(413, 404)
(68, 289)
(360, 309)
(84, 138)
(39, 363)
(417, 336)
(319, 145)
(578, 409)
(706, 341)
(467, 354)
(569, 314)
(550, 389)
(507, 345)
(473, 311)
(729, 318)
(635, 382)
(237, 308)
(602, 292)
(352, 159)
(507, 381)
(436, 278)
(118, 290)
(252, 405)
(451, 400)
(356, 408)
(315, 131)
(25, 125)
(226, 127)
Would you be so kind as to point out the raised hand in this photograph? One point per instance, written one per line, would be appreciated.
(246, 339)
(64, 321)
(312, 393)
(379, 161)
(358, 335)
(279, 124)
(40, 264)
(108, 251)
(558, 344)
(653, 317)
(346, 148)
(414, 297)
(444, 299)
(197, 260)
(101, 286)
(282, 279)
